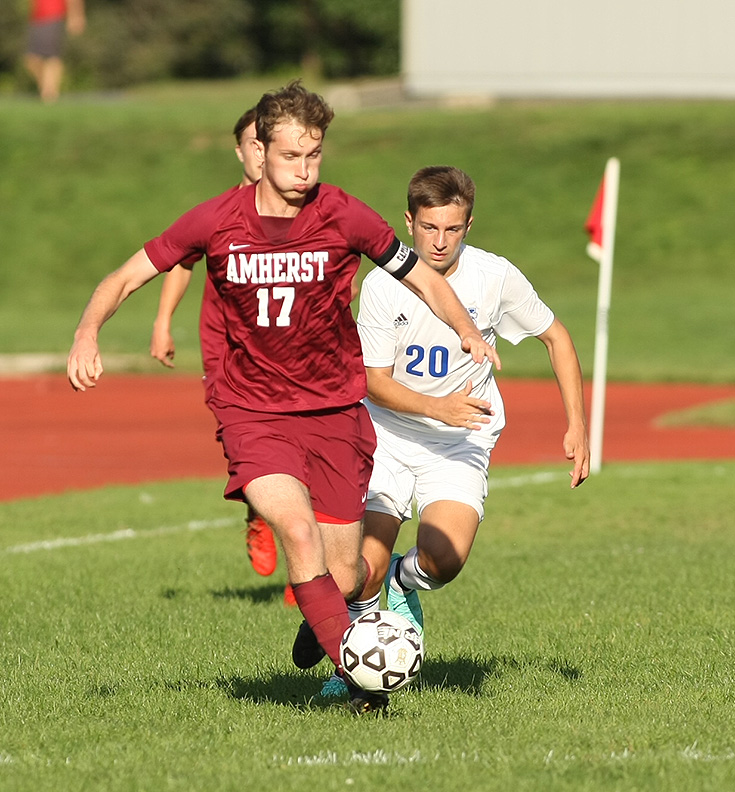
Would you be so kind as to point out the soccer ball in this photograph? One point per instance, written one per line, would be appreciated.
(381, 651)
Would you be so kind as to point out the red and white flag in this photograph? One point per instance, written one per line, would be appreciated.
(600, 226)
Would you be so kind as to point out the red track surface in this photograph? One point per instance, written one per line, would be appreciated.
(133, 429)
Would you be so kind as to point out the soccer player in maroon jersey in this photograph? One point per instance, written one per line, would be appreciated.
(282, 255)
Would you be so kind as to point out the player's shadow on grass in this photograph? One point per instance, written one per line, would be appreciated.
(465, 674)
(292, 689)
(469, 674)
(267, 592)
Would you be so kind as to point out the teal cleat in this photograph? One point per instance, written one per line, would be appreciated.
(405, 603)
(334, 687)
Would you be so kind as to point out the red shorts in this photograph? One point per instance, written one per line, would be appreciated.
(329, 451)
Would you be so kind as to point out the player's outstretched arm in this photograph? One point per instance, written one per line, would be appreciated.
(175, 284)
(568, 373)
(434, 290)
(84, 365)
(457, 409)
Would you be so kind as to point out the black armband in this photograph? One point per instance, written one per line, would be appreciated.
(398, 260)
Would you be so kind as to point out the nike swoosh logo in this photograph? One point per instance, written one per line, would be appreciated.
(364, 497)
(237, 247)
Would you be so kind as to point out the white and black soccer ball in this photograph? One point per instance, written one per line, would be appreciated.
(381, 651)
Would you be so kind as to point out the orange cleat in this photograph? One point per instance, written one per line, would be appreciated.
(289, 600)
(261, 546)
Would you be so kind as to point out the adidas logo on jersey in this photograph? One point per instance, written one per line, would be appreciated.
(400, 320)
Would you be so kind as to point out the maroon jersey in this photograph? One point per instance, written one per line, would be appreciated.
(291, 341)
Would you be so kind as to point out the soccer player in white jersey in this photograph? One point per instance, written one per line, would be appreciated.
(437, 413)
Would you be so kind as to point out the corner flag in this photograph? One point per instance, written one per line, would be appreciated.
(600, 226)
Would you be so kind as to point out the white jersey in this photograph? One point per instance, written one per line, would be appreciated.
(398, 329)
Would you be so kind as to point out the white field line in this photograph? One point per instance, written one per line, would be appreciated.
(376, 757)
(118, 536)
(202, 525)
(522, 481)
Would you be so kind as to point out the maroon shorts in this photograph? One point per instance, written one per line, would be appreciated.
(329, 451)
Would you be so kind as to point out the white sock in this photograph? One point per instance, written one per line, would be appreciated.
(361, 607)
(409, 575)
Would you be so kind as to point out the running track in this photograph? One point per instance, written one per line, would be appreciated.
(134, 429)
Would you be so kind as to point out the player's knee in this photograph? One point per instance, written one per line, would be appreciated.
(300, 535)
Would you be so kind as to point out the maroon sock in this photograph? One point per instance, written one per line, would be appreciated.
(324, 609)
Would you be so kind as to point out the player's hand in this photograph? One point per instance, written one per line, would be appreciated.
(462, 410)
(84, 365)
(576, 447)
(476, 345)
(163, 347)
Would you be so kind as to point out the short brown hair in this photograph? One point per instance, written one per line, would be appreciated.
(439, 185)
(243, 123)
(291, 103)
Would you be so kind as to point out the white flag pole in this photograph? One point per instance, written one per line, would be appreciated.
(599, 374)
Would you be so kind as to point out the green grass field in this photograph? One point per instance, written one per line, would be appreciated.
(86, 182)
(588, 649)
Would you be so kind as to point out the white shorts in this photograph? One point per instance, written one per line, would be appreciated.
(426, 471)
